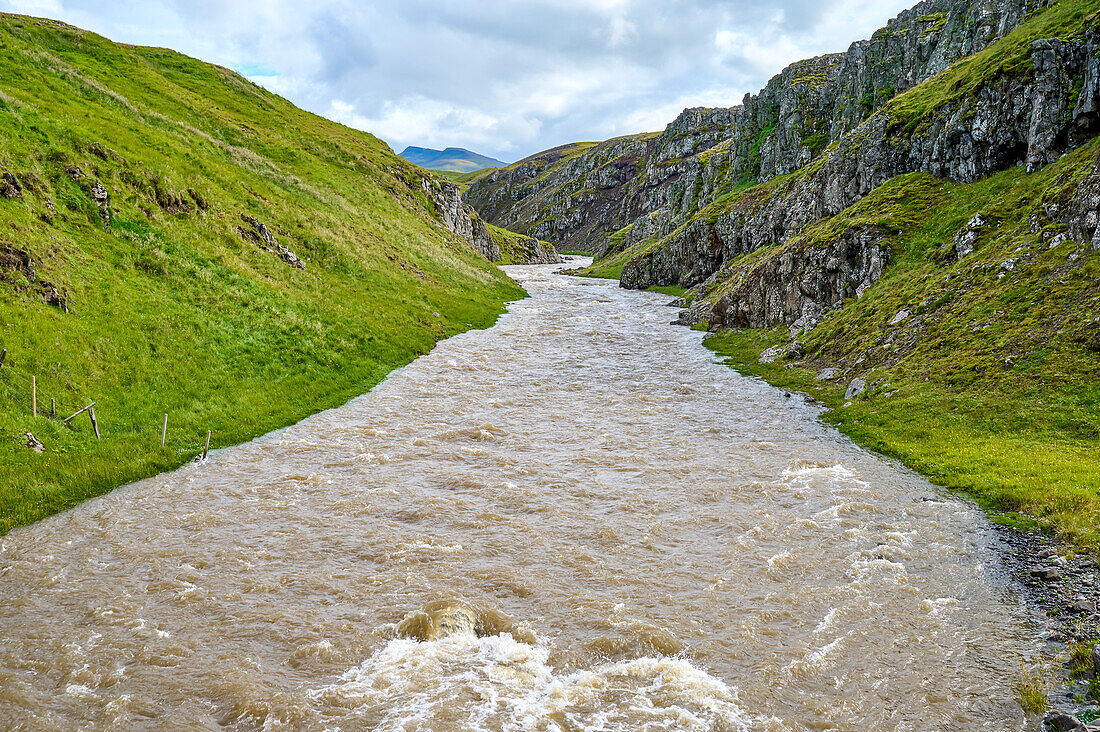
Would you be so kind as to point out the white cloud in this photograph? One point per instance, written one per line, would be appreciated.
(39, 8)
(504, 77)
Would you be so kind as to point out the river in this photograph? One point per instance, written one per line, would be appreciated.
(644, 540)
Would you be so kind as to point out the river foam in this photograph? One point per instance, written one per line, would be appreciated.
(498, 683)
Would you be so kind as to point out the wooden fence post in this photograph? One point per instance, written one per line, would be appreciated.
(34, 396)
(164, 430)
(53, 408)
(95, 425)
(79, 411)
(207, 448)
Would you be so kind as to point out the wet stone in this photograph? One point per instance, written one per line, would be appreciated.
(1062, 722)
(1046, 573)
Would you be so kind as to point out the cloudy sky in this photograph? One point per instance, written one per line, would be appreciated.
(506, 78)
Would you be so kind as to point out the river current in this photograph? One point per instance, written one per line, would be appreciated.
(645, 540)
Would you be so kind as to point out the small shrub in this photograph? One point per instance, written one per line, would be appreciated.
(1031, 691)
(1080, 659)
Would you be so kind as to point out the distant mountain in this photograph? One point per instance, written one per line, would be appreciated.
(455, 159)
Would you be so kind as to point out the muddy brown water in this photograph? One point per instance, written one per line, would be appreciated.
(648, 539)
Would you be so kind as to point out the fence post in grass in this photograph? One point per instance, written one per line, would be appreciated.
(164, 429)
(34, 396)
(53, 408)
(95, 425)
(207, 448)
(3, 355)
(79, 411)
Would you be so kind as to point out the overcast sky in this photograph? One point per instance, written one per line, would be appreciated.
(505, 78)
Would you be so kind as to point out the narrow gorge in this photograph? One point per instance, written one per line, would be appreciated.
(785, 417)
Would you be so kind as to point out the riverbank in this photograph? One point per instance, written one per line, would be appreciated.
(180, 241)
(963, 441)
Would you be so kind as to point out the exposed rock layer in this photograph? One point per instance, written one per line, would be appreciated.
(575, 195)
(461, 218)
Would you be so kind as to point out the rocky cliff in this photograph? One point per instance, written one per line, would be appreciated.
(577, 195)
(957, 90)
(460, 217)
(1025, 101)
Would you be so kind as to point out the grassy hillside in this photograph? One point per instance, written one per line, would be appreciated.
(464, 180)
(991, 383)
(125, 174)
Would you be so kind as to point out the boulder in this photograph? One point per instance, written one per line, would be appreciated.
(1061, 722)
(34, 444)
(770, 354)
(900, 317)
(855, 388)
(1046, 573)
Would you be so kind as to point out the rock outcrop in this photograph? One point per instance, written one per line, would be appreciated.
(798, 286)
(460, 218)
(463, 220)
(261, 235)
(964, 139)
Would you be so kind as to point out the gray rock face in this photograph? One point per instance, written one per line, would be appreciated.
(704, 153)
(1081, 216)
(792, 285)
(460, 218)
(855, 388)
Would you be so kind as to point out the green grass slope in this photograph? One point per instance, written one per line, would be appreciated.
(174, 302)
(991, 385)
(464, 180)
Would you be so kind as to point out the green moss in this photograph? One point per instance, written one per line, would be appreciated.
(932, 23)
(816, 142)
(754, 149)
(172, 309)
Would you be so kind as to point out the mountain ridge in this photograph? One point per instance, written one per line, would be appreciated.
(451, 159)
